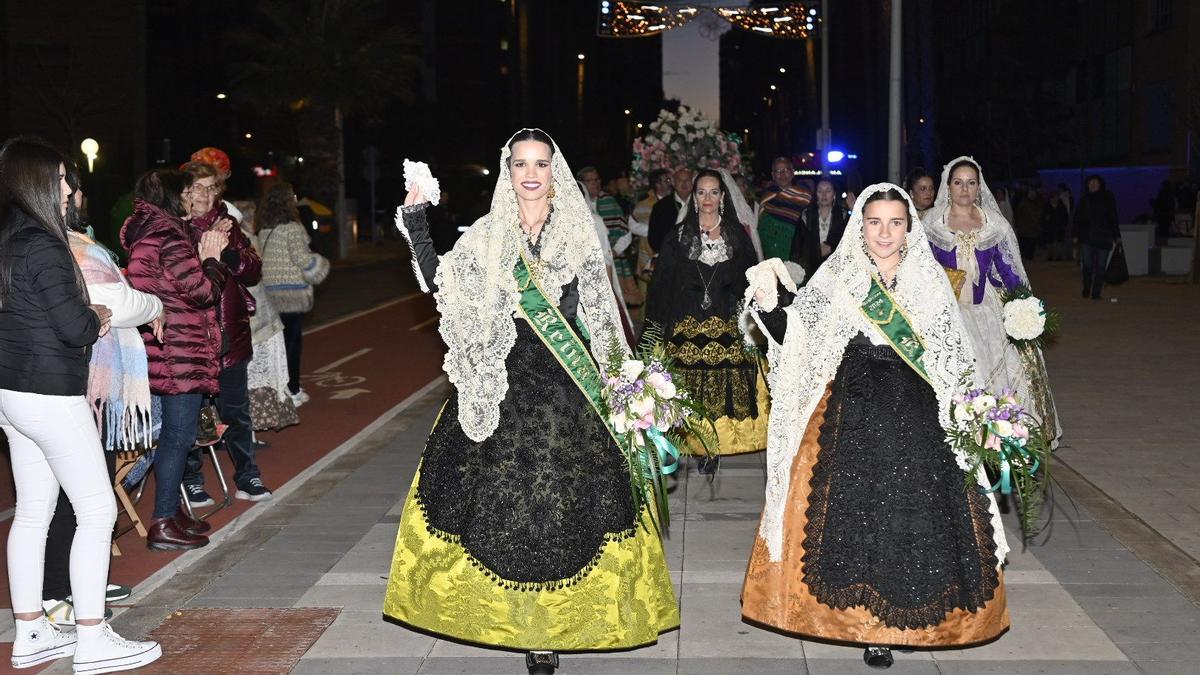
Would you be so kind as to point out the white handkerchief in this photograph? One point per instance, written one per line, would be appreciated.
(417, 174)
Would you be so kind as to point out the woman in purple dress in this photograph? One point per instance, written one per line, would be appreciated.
(968, 234)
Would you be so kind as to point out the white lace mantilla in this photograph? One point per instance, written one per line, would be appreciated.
(822, 320)
(477, 295)
(996, 230)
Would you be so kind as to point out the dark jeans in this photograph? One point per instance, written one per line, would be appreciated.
(56, 582)
(293, 336)
(180, 414)
(233, 406)
(1095, 262)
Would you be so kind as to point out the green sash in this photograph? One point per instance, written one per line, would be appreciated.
(883, 311)
(552, 327)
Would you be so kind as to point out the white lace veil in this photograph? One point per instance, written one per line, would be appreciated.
(824, 317)
(996, 231)
(745, 214)
(477, 294)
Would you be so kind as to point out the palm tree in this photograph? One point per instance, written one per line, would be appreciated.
(335, 59)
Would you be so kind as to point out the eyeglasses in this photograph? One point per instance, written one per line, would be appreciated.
(202, 190)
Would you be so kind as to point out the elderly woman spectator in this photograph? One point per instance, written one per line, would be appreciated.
(209, 214)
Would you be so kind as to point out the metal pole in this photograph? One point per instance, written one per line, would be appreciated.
(826, 136)
(895, 94)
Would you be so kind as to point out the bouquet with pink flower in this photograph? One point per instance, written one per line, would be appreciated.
(683, 139)
(997, 432)
(649, 416)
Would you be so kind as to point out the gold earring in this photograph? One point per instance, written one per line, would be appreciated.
(550, 194)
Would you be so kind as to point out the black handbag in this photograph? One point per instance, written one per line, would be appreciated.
(1117, 271)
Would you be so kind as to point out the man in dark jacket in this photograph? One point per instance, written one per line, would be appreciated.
(666, 211)
(1096, 229)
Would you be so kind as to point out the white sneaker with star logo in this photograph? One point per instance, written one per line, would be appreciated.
(40, 641)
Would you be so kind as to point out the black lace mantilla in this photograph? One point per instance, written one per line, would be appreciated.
(890, 527)
(534, 504)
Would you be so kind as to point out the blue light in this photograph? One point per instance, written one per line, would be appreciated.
(835, 156)
(852, 156)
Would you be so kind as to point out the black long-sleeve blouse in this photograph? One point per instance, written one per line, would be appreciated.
(426, 258)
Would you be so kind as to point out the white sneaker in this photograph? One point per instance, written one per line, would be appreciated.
(101, 650)
(299, 398)
(40, 641)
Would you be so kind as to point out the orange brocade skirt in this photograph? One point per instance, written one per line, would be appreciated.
(775, 593)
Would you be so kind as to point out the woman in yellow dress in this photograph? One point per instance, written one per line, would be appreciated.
(520, 530)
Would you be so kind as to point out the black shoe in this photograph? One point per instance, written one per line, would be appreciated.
(253, 490)
(260, 445)
(707, 466)
(541, 663)
(878, 657)
(198, 497)
(1086, 293)
(1097, 297)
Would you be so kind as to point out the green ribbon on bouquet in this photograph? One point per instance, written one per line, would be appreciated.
(1009, 451)
(666, 449)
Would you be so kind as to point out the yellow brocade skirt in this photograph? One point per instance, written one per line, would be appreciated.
(715, 367)
(624, 600)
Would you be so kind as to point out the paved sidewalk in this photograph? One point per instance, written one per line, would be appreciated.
(1082, 600)
(1080, 604)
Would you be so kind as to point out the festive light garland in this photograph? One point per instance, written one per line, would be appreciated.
(627, 18)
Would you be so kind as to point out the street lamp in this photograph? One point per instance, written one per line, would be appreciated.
(627, 111)
(91, 149)
(782, 71)
(249, 135)
(221, 96)
(580, 57)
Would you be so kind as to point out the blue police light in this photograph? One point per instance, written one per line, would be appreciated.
(835, 156)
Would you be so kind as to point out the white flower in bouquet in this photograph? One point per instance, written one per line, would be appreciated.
(962, 413)
(983, 403)
(631, 370)
(1024, 319)
(664, 387)
(642, 405)
(1003, 428)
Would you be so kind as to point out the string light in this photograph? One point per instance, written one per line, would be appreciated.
(787, 20)
(627, 18)
(634, 19)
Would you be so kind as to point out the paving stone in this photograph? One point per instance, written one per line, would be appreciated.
(339, 666)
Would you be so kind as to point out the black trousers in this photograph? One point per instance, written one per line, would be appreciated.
(233, 406)
(293, 337)
(56, 583)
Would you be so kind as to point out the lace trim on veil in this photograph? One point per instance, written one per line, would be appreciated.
(477, 295)
(823, 318)
(996, 230)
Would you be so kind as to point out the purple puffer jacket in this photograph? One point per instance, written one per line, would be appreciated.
(164, 262)
(245, 270)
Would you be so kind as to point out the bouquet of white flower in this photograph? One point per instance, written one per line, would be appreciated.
(997, 432)
(649, 416)
(684, 139)
(1027, 322)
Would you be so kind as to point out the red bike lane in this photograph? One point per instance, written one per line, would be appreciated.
(356, 369)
